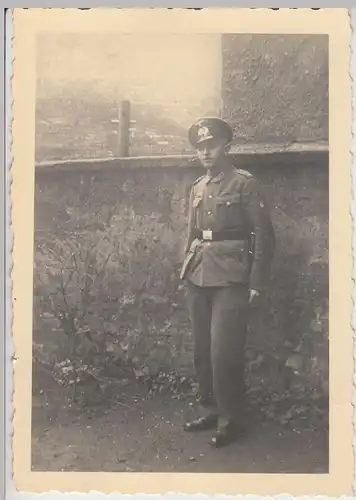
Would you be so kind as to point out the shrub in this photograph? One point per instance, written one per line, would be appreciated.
(109, 288)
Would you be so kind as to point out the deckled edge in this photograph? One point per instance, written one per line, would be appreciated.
(9, 350)
(352, 17)
(9, 353)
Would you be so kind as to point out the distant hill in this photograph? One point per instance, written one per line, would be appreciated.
(84, 128)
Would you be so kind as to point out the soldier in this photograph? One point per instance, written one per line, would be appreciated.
(228, 253)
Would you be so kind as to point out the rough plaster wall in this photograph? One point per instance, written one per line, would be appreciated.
(295, 318)
(275, 87)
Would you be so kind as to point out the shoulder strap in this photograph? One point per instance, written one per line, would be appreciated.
(198, 180)
(245, 173)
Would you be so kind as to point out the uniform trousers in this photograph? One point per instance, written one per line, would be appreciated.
(218, 317)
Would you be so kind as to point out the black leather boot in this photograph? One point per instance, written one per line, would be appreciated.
(227, 434)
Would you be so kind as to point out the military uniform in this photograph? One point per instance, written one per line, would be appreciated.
(229, 249)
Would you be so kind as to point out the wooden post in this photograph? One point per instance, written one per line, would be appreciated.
(124, 128)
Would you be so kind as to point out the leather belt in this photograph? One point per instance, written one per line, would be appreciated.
(207, 235)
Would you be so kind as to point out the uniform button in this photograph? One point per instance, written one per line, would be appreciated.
(210, 196)
(210, 212)
(228, 203)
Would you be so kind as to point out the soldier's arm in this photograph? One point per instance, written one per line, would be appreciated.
(260, 225)
(189, 237)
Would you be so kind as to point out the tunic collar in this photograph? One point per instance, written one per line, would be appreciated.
(218, 178)
(225, 169)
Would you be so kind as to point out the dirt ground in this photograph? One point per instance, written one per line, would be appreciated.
(145, 435)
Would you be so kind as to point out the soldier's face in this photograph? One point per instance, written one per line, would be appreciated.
(210, 152)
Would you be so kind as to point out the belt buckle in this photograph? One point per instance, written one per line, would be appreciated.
(207, 234)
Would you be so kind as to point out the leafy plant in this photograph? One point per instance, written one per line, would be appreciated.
(104, 287)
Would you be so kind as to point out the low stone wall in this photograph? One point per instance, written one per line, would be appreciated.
(143, 202)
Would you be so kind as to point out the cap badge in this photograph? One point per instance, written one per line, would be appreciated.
(203, 132)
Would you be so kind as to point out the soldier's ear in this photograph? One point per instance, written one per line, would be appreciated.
(227, 148)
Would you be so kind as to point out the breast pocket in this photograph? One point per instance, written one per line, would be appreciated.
(229, 211)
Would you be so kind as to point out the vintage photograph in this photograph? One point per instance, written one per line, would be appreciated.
(185, 290)
(186, 203)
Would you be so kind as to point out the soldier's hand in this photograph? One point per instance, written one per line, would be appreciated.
(253, 294)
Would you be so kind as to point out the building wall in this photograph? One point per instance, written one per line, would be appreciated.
(275, 87)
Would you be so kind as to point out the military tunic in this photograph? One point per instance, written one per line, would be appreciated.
(231, 201)
(218, 276)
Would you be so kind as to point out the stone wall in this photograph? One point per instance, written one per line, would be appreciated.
(292, 327)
